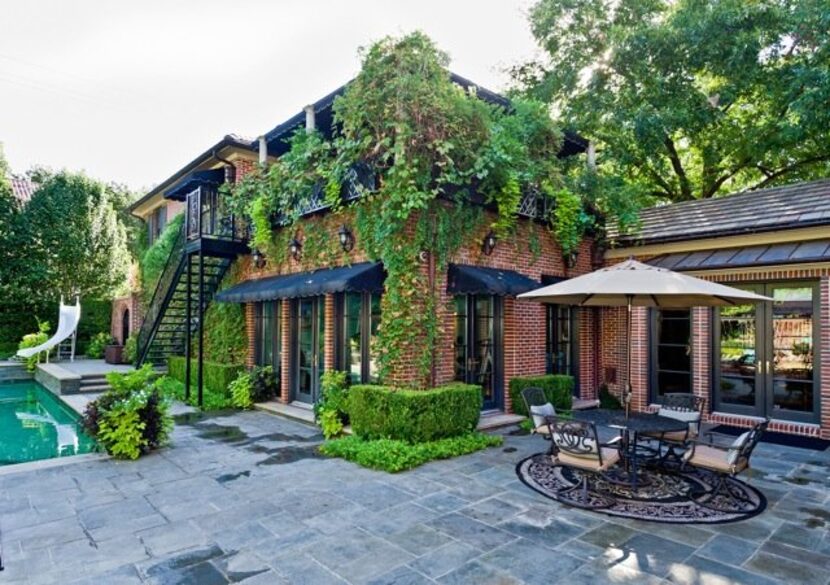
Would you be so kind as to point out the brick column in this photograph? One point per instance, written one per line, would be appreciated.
(285, 351)
(639, 358)
(702, 355)
(586, 354)
(509, 349)
(328, 337)
(250, 331)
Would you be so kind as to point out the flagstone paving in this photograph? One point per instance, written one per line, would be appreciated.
(246, 498)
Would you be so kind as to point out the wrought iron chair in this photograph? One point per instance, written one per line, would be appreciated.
(575, 444)
(681, 406)
(538, 408)
(727, 461)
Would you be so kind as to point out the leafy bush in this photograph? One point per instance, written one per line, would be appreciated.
(240, 390)
(394, 455)
(132, 417)
(608, 400)
(263, 383)
(380, 412)
(130, 349)
(8, 349)
(33, 340)
(96, 316)
(155, 258)
(331, 411)
(216, 377)
(95, 349)
(558, 390)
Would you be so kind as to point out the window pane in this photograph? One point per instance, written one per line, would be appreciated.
(671, 352)
(461, 338)
(793, 352)
(737, 355)
(672, 382)
(559, 340)
(352, 336)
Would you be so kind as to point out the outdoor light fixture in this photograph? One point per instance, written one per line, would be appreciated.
(489, 243)
(259, 259)
(346, 238)
(295, 248)
(570, 259)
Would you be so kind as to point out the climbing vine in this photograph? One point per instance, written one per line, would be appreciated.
(432, 146)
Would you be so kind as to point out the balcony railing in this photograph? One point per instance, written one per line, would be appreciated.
(535, 204)
(207, 216)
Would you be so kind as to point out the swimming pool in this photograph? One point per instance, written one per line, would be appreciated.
(35, 424)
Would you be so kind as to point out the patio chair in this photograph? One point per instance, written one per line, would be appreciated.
(681, 406)
(538, 408)
(575, 444)
(727, 461)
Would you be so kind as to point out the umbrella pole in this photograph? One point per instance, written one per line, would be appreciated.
(627, 387)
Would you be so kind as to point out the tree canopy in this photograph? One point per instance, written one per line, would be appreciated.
(689, 99)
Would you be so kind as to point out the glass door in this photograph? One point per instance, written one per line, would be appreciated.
(765, 354)
(309, 346)
(671, 352)
(478, 345)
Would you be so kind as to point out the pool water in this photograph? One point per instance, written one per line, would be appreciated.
(36, 424)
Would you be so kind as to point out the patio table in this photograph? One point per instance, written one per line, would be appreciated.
(630, 428)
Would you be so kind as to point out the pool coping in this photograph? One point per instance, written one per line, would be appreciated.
(31, 466)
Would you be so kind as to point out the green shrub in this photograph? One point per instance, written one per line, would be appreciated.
(331, 411)
(216, 377)
(8, 349)
(95, 349)
(380, 412)
(130, 349)
(153, 261)
(33, 340)
(558, 390)
(132, 417)
(263, 383)
(608, 400)
(394, 455)
(96, 316)
(240, 390)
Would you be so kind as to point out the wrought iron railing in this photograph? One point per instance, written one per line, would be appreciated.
(207, 216)
(154, 309)
(535, 204)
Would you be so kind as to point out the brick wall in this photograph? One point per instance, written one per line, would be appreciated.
(130, 303)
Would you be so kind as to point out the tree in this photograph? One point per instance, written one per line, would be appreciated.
(689, 99)
(75, 241)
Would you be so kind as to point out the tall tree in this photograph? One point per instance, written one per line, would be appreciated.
(690, 99)
(76, 243)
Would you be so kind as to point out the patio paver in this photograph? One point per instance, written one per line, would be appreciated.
(244, 498)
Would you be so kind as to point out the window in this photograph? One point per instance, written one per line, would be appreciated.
(268, 335)
(359, 327)
(478, 345)
(671, 352)
(156, 223)
(560, 349)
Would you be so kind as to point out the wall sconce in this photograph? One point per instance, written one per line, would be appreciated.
(259, 259)
(570, 259)
(346, 238)
(488, 243)
(295, 248)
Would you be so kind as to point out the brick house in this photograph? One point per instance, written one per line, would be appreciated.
(747, 362)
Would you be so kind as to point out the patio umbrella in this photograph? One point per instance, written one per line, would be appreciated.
(634, 284)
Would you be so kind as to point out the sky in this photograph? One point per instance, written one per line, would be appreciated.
(132, 91)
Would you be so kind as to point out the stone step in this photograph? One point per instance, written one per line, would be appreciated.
(94, 388)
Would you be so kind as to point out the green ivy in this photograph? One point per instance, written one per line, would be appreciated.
(430, 143)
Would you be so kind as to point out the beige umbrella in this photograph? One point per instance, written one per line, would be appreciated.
(634, 284)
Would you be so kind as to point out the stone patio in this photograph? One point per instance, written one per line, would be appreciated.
(245, 498)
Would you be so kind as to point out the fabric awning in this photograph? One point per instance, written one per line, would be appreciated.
(364, 277)
(463, 279)
(194, 180)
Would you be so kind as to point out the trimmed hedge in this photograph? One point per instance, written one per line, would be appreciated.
(558, 389)
(416, 416)
(217, 377)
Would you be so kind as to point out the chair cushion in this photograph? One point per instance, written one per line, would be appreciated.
(609, 458)
(539, 412)
(735, 449)
(689, 416)
(712, 458)
(543, 430)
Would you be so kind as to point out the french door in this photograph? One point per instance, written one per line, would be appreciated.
(765, 358)
(478, 345)
(309, 348)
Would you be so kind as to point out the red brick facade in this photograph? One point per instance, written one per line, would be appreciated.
(129, 303)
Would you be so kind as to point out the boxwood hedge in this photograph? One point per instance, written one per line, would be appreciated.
(381, 412)
(217, 377)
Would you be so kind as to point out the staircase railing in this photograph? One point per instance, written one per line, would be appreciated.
(156, 307)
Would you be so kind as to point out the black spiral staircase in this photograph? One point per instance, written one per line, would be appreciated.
(207, 244)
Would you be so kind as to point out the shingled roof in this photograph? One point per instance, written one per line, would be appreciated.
(791, 206)
(22, 189)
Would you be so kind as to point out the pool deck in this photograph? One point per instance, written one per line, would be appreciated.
(245, 497)
(88, 367)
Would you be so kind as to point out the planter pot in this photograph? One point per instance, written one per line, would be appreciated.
(114, 354)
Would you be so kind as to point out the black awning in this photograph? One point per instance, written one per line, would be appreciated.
(747, 256)
(194, 180)
(468, 280)
(364, 277)
(550, 279)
